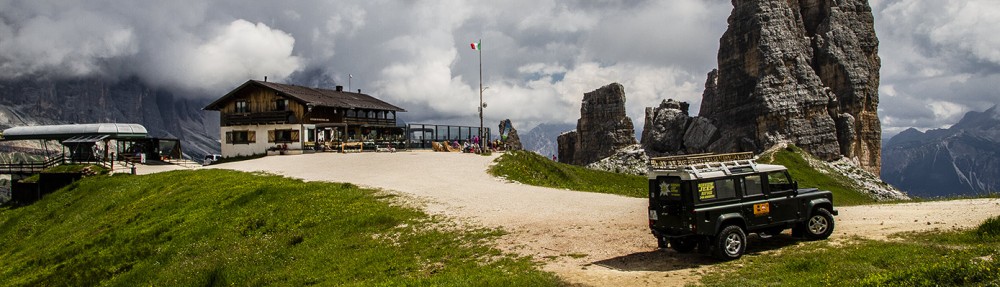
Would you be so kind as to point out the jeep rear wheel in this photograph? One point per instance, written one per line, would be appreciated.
(683, 245)
(819, 226)
(730, 243)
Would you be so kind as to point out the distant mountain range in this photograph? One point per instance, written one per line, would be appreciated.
(542, 139)
(165, 115)
(961, 160)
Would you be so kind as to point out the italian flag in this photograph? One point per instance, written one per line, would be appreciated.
(477, 45)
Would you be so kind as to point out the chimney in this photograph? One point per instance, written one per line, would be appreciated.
(359, 91)
(265, 79)
(340, 88)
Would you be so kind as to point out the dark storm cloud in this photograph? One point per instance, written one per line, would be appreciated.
(939, 57)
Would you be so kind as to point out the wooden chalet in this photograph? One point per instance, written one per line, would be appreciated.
(259, 117)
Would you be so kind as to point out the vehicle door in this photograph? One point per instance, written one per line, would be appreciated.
(666, 204)
(781, 195)
(717, 197)
(756, 206)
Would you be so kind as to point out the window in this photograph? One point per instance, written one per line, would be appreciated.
(242, 107)
(390, 115)
(753, 185)
(719, 189)
(282, 136)
(778, 181)
(241, 137)
(281, 105)
(351, 113)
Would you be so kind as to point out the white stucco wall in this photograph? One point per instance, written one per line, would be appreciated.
(261, 145)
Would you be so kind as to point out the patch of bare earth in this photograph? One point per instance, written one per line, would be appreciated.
(585, 238)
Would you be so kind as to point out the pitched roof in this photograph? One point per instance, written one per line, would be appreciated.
(316, 97)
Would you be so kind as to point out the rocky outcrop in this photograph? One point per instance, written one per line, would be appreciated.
(603, 128)
(630, 160)
(665, 127)
(804, 72)
(961, 160)
(508, 135)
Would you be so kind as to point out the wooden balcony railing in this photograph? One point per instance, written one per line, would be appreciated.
(273, 117)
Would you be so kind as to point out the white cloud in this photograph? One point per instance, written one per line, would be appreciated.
(240, 51)
(940, 59)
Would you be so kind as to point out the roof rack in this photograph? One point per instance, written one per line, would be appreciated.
(704, 162)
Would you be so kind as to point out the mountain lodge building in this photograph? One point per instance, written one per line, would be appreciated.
(259, 116)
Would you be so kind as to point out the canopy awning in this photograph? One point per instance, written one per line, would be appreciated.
(85, 139)
(65, 132)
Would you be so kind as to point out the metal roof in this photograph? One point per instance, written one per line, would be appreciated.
(85, 139)
(65, 132)
(314, 96)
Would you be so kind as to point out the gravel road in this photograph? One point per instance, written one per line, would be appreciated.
(585, 238)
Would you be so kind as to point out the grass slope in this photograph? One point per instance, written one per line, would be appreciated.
(808, 176)
(956, 258)
(216, 227)
(533, 169)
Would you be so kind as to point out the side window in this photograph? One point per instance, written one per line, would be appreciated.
(753, 185)
(778, 181)
(718, 189)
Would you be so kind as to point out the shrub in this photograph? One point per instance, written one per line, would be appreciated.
(989, 228)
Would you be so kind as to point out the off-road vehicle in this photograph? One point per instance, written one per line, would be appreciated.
(712, 201)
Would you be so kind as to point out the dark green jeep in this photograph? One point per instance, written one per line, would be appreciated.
(711, 202)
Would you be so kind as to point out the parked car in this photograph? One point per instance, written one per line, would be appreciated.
(211, 158)
(711, 203)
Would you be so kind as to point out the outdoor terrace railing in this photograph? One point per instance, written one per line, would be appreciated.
(30, 167)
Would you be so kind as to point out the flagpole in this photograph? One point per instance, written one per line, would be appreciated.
(481, 138)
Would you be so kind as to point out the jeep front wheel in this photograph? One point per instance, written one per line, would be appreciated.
(683, 245)
(820, 225)
(730, 243)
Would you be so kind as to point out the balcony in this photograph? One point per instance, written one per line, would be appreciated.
(258, 118)
(371, 122)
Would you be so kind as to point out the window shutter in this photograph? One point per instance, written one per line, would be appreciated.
(252, 136)
(229, 137)
(295, 135)
(270, 136)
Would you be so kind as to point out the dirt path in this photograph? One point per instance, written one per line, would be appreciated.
(585, 238)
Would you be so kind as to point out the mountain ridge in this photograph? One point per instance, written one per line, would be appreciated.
(963, 159)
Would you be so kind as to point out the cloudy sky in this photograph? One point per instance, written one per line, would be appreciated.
(940, 58)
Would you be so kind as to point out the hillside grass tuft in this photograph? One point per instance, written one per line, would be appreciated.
(533, 169)
(844, 194)
(954, 258)
(217, 227)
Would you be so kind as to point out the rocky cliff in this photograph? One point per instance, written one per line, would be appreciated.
(41, 102)
(603, 128)
(805, 72)
(961, 160)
